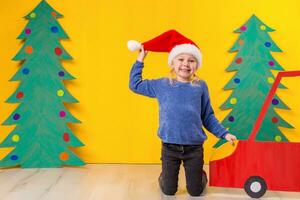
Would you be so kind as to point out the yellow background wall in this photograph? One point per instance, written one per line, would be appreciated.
(119, 126)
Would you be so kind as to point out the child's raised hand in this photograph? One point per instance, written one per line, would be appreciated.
(230, 138)
(142, 54)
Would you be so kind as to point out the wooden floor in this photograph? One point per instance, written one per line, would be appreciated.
(105, 182)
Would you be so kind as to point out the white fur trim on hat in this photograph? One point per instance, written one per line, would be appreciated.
(133, 45)
(185, 48)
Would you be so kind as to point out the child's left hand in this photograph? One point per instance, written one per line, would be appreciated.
(230, 138)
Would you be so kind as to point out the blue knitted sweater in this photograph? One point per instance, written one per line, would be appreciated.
(183, 108)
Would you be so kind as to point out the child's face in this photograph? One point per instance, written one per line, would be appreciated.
(184, 65)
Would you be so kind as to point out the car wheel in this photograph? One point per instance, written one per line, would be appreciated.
(255, 187)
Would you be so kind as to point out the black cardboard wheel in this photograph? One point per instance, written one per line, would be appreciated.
(255, 186)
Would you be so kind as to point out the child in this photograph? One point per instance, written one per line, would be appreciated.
(184, 107)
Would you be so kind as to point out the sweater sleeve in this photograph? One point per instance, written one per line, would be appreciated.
(137, 84)
(210, 122)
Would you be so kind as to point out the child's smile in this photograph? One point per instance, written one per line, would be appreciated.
(186, 70)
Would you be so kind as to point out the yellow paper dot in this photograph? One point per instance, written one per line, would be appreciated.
(233, 100)
(60, 93)
(32, 15)
(263, 27)
(277, 138)
(270, 80)
(15, 138)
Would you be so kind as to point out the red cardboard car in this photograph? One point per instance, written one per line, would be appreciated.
(257, 166)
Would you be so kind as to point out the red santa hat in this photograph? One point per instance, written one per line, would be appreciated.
(170, 41)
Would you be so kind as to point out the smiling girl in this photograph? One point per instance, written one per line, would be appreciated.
(184, 108)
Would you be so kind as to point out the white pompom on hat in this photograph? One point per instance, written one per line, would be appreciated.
(172, 42)
(133, 45)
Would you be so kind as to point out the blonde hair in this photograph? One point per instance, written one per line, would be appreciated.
(172, 78)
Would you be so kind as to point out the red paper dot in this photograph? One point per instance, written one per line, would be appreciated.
(239, 60)
(274, 119)
(58, 51)
(19, 95)
(66, 137)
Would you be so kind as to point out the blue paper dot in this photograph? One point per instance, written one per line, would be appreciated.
(237, 80)
(25, 71)
(275, 102)
(268, 44)
(54, 29)
(14, 157)
(61, 73)
(231, 118)
(16, 116)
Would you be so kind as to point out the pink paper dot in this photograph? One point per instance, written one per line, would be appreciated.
(271, 63)
(243, 28)
(62, 114)
(28, 31)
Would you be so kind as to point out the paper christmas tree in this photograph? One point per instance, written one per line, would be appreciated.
(41, 137)
(251, 83)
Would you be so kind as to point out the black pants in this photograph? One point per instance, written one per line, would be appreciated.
(192, 157)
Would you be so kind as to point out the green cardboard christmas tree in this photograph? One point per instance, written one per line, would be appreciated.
(41, 137)
(251, 83)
